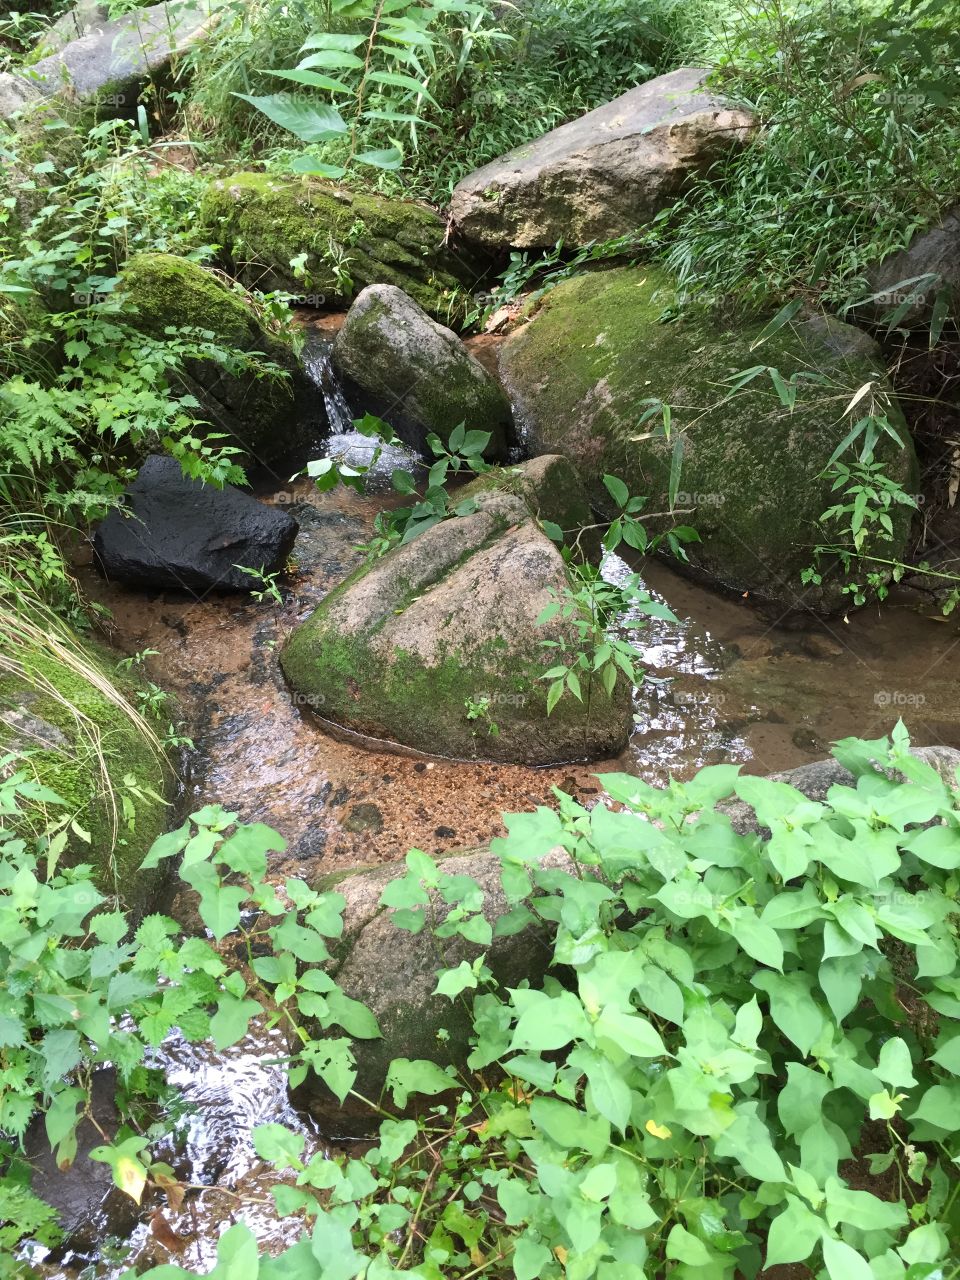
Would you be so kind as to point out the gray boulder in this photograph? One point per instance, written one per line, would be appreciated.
(411, 644)
(394, 973)
(605, 174)
(416, 374)
(85, 18)
(178, 534)
(930, 263)
(110, 64)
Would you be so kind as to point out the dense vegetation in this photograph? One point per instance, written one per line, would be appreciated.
(745, 1052)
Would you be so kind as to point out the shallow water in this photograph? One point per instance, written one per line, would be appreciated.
(725, 684)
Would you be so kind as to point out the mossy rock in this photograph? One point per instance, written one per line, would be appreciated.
(583, 371)
(416, 374)
(266, 414)
(65, 749)
(438, 641)
(264, 222)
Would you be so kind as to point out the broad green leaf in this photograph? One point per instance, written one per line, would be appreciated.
(417, 1075)
(307, 121)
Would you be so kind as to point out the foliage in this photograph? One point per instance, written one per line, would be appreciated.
(858, 150)
(599, 610)
(734, 1010)
(482, 78)
(84, 393)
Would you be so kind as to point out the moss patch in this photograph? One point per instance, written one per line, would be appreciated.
(65, 759)
(264, 222)
(582, 371)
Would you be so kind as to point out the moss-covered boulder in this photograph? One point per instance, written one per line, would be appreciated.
(345, 241)
(394, 973)
(415, 373)
(583, 372)
(436, 646)
(71, 725)
(263, 413)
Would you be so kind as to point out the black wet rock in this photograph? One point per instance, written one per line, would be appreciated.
(172, 532)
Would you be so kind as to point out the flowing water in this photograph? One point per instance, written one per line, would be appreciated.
(724, 684)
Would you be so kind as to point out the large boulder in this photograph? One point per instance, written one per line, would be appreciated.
(552, 490)
(109, 65)
(405, 648)
(584, 371)
(602, 175)
(345, 241)
(66, 715)
(394, 973)
(178, 534)
(266, 415)
(416, 374)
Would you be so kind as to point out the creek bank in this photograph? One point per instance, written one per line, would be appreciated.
(752, 483)
(174, 532)
(437, 646)
(63, 704)
(416, 374)
(604, 174)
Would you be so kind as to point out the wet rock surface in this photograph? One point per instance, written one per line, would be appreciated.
(416, 374)
(175, 532)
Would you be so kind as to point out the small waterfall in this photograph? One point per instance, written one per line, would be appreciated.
(342, 441)
(319, 369)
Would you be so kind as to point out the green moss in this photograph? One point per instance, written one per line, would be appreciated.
(68, 763)
(259, 409)
(264, 222)
(550, 488)
(584, 369)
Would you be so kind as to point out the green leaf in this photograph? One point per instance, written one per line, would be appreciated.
(417, 1075)
(451, 982)
(794, 1234)
(617, 490)
(684, 1247)
(895, 1065)
(278, 1144)
(61, 1053)
(383, 158)
(232, 1019)
(783, 317)
(792, 1008)
(306, 121)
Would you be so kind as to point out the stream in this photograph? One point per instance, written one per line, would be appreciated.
(723, 684)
